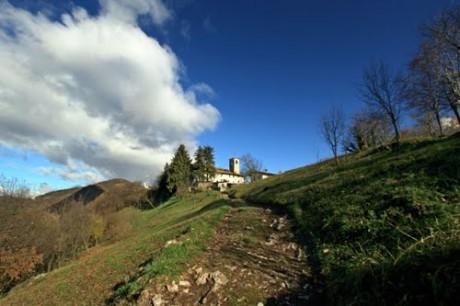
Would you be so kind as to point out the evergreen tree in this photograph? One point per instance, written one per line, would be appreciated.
(199, 167)
(204, 167)
(163, 193)
(180, 171)
(209, 164)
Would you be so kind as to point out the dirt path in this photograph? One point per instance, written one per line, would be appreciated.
(252, 260)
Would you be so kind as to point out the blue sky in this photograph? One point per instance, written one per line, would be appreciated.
(274, 68)
(278, 65)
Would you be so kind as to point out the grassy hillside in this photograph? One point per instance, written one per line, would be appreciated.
(383, 227)
(91, 280)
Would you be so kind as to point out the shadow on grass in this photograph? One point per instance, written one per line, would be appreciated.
(431, 278)
(309, 291)
(122, 291)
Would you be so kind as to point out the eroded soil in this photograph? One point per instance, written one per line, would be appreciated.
(252, 260)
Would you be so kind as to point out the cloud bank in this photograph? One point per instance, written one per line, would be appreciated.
(95, 93)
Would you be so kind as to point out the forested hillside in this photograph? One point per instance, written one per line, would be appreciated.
(41, 234)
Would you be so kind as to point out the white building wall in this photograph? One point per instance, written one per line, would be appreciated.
(232, 179)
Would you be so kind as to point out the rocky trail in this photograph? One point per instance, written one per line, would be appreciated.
(252, 260)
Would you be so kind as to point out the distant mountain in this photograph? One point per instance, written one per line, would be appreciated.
(103, 196)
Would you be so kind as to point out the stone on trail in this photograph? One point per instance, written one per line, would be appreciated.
(198, 270)
(157, 300)
(171, 242)
(172, 287)
(230, 268)
(300, 254)
(281, 223)
(148, 299)
(202, 279)
(184, 283)
(219, 279)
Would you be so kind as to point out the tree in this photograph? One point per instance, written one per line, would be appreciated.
(209, 163)
(250, 166)
(333, 128)
(204, 167)
(162, 193)
(199, 166)
(424, 94)
(179, 176)
(443, 37)
(383, 92)
(13, 188)
(367, 129)
(17, 265)
(75, 229)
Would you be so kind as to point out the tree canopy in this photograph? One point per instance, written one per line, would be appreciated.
(179, 172)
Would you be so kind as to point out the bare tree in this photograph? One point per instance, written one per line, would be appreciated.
(425, 124)
(75, 229)
(424, 94)
(13, 188)
(250, 166)
(367, 129)
(383, 92)
(333, 128)
(444, 37)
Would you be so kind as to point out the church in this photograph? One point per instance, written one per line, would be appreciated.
(226, 178)
(223, 178)
(232, 176)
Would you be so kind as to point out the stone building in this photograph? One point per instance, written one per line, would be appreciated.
(224, 178)
(230, 176)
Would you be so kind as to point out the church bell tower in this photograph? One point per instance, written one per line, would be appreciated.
(234, 165)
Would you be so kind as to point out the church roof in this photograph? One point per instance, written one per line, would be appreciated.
(226, 171)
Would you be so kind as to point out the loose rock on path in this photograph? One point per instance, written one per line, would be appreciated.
(253, 258)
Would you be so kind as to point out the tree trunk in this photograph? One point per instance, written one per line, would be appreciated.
(438, 121)
(396, 128)
(454, 107)
(336, 158)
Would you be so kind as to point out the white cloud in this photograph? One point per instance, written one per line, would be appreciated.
(202, 89)
(74, 171)
(96, 92)
(40, 189)
(128, 10)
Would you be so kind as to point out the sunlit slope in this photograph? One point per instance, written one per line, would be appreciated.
(384, 226)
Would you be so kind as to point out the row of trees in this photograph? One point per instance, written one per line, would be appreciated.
(428, 90)
(179, 175)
